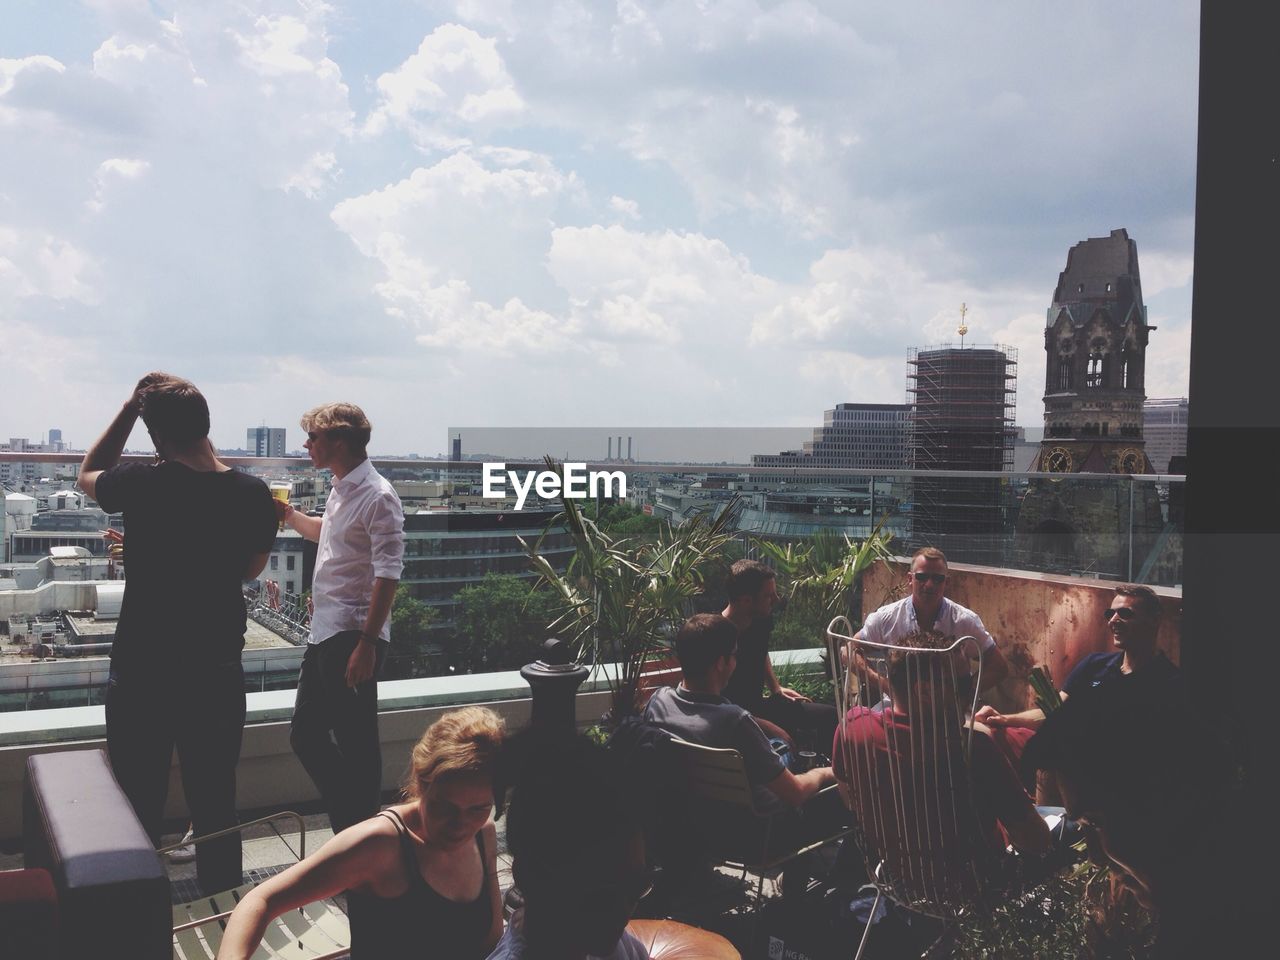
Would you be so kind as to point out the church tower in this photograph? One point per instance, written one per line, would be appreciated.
(1095, 343)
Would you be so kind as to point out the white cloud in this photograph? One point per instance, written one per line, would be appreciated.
(43, 265)
(456, 240)
(455, 80)
(1162, 271)
(627, 208)
(115, 170)
(664, 287)
(10, 69)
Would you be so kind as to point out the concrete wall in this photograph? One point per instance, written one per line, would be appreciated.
(269, 775)
(1036, 618)
(50, 597)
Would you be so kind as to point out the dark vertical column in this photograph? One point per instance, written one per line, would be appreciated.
(1230, 631)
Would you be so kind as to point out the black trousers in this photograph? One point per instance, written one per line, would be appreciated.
(811, 725)
(201, 713)
(335, 731)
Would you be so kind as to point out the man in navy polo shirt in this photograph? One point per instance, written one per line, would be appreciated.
(1134, 621)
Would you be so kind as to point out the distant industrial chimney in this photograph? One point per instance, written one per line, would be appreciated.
(609, 456)
(629, 448)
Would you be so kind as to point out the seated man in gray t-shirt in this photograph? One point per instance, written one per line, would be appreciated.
(695, 711)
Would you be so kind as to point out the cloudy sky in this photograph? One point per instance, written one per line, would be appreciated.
(558, 213)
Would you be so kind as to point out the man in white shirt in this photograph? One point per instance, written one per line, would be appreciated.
(926, 610)
(358, 565)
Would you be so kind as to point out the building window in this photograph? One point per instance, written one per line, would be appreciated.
(1093, 376)
(275, 562)
(1064, 373)
(289, 561)
(289, 588)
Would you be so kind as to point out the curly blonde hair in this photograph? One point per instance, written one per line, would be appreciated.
(460, 742)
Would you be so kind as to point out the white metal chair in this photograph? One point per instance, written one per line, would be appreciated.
(317, 931)
(907, 779)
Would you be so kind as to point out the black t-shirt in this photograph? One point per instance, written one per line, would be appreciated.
(1100, 667)
(189, 537)
(746, 686)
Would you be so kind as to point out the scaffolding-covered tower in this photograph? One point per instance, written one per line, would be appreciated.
(962, 402)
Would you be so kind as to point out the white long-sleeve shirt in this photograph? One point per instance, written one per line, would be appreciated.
(361, 538)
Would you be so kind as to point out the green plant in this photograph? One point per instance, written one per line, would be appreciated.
(827, 568)
(620, 595)
(500, 624)
(810, 679)
(1081, 912)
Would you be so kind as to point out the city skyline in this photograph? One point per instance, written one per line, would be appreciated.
(741, 213)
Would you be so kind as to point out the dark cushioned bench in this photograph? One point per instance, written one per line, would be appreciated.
(113, 893)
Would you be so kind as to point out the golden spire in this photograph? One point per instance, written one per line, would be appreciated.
(963, 328)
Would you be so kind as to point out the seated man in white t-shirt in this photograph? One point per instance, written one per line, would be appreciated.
(927, 610)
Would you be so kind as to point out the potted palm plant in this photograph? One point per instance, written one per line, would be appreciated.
(621, 596)
(828, 567)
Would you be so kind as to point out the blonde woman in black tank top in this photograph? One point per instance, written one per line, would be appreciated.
(422, 874)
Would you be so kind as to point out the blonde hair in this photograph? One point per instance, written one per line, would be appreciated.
(345, 421)
(461, 741)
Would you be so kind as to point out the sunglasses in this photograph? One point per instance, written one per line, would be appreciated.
(1124, 613)
(921, 577)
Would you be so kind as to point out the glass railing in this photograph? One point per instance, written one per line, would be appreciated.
(1103, 526)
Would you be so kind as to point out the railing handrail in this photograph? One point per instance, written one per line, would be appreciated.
(716, 469)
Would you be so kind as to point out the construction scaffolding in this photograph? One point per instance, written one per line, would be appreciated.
(962, 403)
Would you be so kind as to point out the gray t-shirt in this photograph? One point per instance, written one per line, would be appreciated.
(513, 945)
(713, 721)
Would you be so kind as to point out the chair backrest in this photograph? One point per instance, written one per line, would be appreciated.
(714, 773)
(905, 772)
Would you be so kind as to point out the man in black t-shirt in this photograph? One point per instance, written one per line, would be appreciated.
(753, 591)
(1134, 622)
(176, 679)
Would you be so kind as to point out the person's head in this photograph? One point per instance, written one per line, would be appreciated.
(1134, 619)
(451, 772)
(923, 683)
(707, 647)
(576, 845)
(752, 588)
(175, 412)
(927, 577)
(336, 433)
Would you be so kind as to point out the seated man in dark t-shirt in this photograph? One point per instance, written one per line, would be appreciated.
(176, 679)
(1153, 783)
(903, 774)
(785, 713)
(1134, 622)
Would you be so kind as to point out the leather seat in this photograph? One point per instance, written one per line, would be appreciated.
(670, 940)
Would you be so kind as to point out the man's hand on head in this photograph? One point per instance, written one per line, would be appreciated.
(143, 387)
